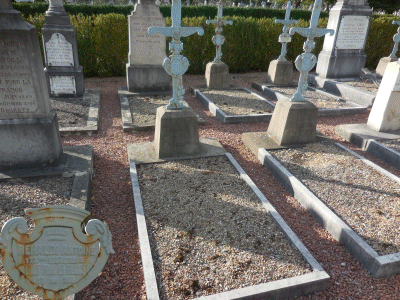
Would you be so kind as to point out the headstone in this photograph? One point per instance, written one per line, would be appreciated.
(144, 69)
(217, 72)
(280, 71)
(56, 259)
(343, 53)
(380, 69)
(176, 132)
(63, 73)
(294, 121)
(29, 131)
(385, 112)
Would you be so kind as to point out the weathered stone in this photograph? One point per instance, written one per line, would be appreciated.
(293, 122)
(176, 133)
(280, 72)
(56, 259)
(147, 78)
(383, 62)
(217, 75)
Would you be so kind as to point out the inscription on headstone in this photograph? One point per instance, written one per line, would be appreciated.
(62, 85)
(17, 91)
(352, 32)
(59, 51)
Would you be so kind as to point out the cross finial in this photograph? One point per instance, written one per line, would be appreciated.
(285, 37)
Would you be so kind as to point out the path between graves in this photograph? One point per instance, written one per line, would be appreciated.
(113, 201)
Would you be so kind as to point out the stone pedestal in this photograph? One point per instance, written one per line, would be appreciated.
(176, 133)
(343, 53)
(383, 62)
(217, 75)
(147, 78)
(293, 123)
(385, 113)
(280, 72)
(63, 73)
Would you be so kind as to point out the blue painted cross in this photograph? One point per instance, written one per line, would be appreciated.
(396, 40)
(285, 37)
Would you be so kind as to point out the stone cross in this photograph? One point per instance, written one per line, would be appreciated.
(218, 39)
(306, 61)
(285, 37)
(176, 65)
(396, 40)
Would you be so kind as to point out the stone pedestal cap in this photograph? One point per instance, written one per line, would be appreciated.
(217, 75)
(280, 72)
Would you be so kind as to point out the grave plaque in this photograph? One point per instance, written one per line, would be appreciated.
(62, 85)
(59, 51)
(56, 259)
(352, 32)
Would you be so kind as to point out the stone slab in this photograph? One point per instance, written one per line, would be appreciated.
(217, 75)
(128, 122)
(228, 119)
(281, 289)
(280, 72)
(383, 62)
(147, 78)
(341, 89)
(65, 82)
(268, 90)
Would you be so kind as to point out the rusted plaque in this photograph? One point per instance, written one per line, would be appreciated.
(57, 258)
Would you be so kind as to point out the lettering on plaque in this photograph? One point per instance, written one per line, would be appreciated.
(62, 85)
(59, 51)
(284, 38)
(17, 91)
(352, 32)
(56, 259)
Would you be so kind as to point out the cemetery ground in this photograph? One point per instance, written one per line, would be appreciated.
(112, 199)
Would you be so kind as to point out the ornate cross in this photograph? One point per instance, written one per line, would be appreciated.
(306, 61)
(396, 40)
(176, 65)
(285, 37)
(218, 39)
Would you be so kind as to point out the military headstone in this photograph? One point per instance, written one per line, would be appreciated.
(56, 259)
(29, 131)
(380, 69)
(63, 73)
(343, 53)
(144, 69)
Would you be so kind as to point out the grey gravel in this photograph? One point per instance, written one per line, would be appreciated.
(143, 108)
(71, 112)
(364, 84)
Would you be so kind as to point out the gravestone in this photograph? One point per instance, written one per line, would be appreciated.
(29, 131)
(144, 69)
(380, 69)
(217, 72)
(56, 259)
(280, 71)
(63, 73)
(176, 132)
(343, 53)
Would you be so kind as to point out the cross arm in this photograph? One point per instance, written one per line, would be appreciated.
(396, 23)
(166, 31)
(286, 22)
(311, 32)
(186, 31)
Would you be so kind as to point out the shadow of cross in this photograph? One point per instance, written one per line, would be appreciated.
(176, 65)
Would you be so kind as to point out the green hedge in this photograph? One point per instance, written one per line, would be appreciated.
(250, 43)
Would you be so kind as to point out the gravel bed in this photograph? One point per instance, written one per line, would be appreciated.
(71, 112)
(238, 102)
(364, 84)
(318, 99)
(364, 198)
(143, 108)
(209, 232)
(393, 144)
(15, 196)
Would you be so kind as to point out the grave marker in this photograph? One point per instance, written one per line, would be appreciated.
(383, 62)
(63, 73)
(56, 259)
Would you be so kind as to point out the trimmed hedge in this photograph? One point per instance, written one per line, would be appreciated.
(250, 43)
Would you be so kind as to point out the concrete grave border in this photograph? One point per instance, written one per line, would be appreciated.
(317, 280)
(378, 266)
(339, 88)
(268, 91)
(93, 117)
(228, 119)
(128, 124)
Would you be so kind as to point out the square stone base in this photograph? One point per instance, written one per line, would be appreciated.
(30, 142)
(383, 62)
(347, 64)
(147, 78)
(77, 73)
(293, 123)
(176, 133)
(280, 72)
(217, 76)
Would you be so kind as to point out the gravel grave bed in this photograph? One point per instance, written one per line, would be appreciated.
(71, 112)
(237, 102)
(15, 196)
(318, 99)
(393, 144)
(209, 232)
(364, 198)
(143, 108)
(366, 85)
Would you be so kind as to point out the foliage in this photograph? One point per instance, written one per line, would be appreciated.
(389, 6)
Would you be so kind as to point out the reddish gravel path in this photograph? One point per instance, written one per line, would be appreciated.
(113, 201)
